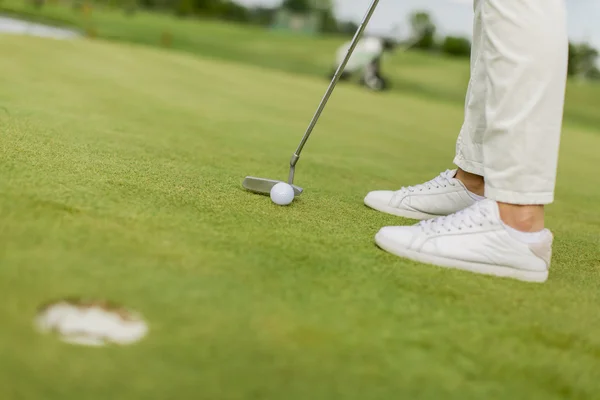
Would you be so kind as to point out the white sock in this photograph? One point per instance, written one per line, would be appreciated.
(525, 237)
(475, 197)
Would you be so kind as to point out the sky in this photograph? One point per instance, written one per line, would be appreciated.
(452, 16)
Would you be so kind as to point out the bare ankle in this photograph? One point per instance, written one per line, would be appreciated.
(524, 218)
(473, 183)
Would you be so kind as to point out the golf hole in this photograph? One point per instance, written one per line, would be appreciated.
(90, 322)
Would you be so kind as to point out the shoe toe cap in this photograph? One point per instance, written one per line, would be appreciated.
(397, 235)
(379, 198)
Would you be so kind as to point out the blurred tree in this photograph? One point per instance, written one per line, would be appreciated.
(572, 63)
(130, 7)
(231, 11)
(76, 5)
(208, 7)
(184, 8)
(320, 10)
(348, 28)
(423, 30)
(594, 74)
(298, 6)
(262, 15)
(155, 4)
(316, 12)
(456, 46)
(582, 61)
(329, 24)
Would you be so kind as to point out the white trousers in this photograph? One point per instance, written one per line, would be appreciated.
(514, 104)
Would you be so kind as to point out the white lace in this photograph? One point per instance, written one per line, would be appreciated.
(442, 180)
(467, 218)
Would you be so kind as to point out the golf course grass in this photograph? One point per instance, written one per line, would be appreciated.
(120, 179)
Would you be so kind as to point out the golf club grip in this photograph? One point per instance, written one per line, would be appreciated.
(335, 79)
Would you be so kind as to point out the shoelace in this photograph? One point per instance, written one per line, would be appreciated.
(442, 180)
(467, 218)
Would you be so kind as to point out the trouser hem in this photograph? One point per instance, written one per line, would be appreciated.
(511, 197)
(469, 166)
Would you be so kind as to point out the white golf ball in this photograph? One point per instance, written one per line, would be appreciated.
(282, 194)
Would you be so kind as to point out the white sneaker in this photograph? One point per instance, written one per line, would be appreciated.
(443, 195)
(474, 239)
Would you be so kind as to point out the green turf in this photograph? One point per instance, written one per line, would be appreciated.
(120, 173)
(428, 77)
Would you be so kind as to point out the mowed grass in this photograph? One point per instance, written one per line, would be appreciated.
(427, 76)
(120, 178)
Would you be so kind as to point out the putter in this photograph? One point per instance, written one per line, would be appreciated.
(264, 185)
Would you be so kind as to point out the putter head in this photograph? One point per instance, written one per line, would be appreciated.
(264, 186)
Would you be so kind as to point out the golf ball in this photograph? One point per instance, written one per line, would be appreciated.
(282, 194)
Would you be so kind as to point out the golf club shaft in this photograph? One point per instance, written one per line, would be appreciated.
(334, 81)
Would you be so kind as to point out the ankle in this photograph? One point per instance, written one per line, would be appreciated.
(473, 183)
(524, 218)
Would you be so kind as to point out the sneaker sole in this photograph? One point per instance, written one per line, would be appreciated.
(484, 269)
(399, 212)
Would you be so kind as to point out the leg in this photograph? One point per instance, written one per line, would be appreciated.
(345, 76)
(451, 191)
(526, 59)
(524, 50)
(383, 82)
(371, 77)
(469, 146)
